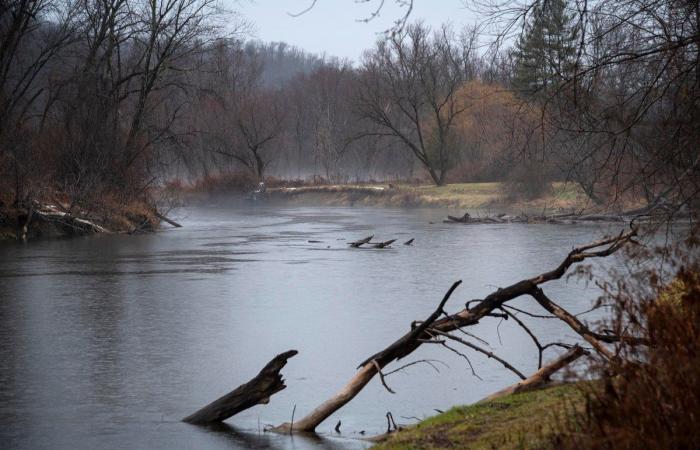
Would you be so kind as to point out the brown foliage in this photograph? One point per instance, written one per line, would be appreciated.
(495, 134)
(234, 181)
(650, 395)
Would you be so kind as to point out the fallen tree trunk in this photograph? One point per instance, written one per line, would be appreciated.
(165, 219)
(599, 218)
(539, 378)
(257, 391)
(71, 222)
(464, 219)
(466, 317)
(524, 218)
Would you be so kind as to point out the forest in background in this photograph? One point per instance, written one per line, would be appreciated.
(105, 102)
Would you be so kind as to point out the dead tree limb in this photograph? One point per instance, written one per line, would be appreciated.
(426, 361)
(466, 317)
(540, 348)
(167, 220)
(384, 244)
(367, 370)
(572, 321)
(381, 377)
(539, 378)
(505, 363)
(257, 391)
(464, 219)
(361, 242)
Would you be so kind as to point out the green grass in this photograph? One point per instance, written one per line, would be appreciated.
(520, 421)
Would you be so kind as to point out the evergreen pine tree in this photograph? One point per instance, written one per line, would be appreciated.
(546, 51)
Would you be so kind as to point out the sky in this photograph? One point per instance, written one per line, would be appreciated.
(333, 27)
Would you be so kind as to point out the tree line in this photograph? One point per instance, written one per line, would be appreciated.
(113, 98)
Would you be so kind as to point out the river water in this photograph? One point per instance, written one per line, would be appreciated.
(106, 342)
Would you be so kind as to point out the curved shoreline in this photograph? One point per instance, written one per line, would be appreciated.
(453, 196)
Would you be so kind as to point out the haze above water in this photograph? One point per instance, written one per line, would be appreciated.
(107, 342)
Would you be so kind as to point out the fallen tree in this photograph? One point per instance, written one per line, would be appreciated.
(659, 212)
(256, 391)
(167, 220)
(55, 214)
(439, 324)
(525, 218)
(32, 218)
(542, 376)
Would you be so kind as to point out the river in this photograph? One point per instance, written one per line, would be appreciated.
(106, 342)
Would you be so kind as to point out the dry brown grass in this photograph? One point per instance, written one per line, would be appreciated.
(651, 394)
(238, 181)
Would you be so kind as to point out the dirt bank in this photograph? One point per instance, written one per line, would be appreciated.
(44, 219)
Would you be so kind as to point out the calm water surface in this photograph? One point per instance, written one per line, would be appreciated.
(107, 342)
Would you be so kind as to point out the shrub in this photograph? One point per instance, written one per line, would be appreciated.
(238, 181)
(649, 396)
(526, 182)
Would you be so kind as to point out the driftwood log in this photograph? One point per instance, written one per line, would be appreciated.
(361, 242)
(256, 391)
(464, 219)
(368, 241)
(542, 376)
(422, 332)
(384, 244)
(662, 212)
(52, 214)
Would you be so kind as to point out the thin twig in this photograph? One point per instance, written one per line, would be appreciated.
(381, 376)
(291, 427)
(481, 350)
(522, 311)
(309, 8)
(471, 367)
(540, 349)
(426, 361)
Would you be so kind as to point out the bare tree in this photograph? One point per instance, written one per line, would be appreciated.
(408, 92)
(131, 58)
(32, 35)
(259, 121)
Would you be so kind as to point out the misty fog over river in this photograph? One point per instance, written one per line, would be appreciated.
(106, 342)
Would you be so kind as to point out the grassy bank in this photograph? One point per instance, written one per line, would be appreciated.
(519, 421)
(456, 196)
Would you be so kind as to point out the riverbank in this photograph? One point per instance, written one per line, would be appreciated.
(486, 197)
(561, 196)
(517, 421)
(53, 219)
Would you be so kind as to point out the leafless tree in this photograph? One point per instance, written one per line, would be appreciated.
(32, 35)
(408, 91)
(259, 120)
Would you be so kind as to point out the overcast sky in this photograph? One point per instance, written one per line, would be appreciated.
(332, 25)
